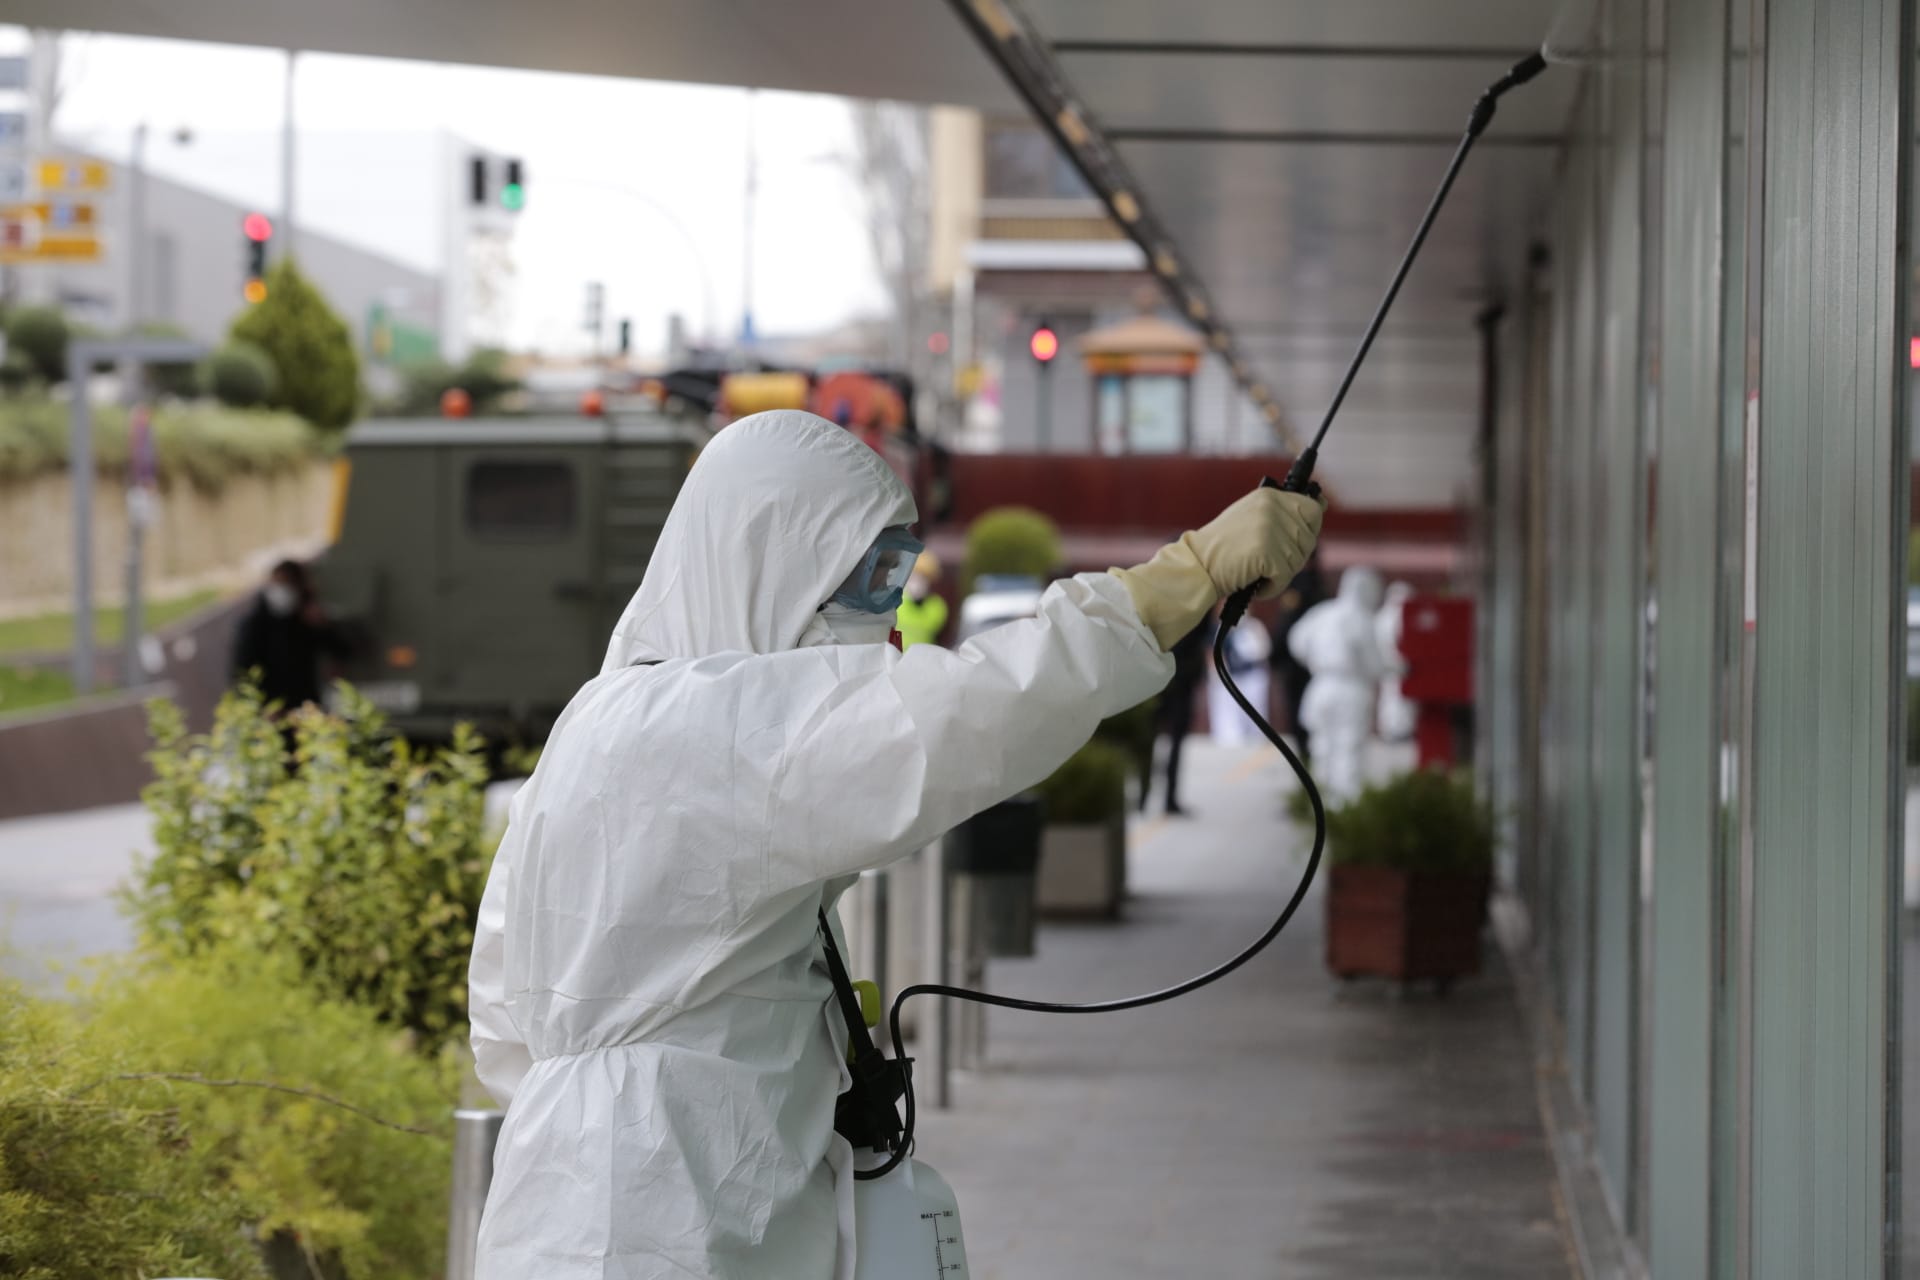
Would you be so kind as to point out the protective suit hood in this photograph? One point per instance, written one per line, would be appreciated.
(776, 512)
(1361, 586)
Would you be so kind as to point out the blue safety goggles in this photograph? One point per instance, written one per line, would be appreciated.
(880, 579)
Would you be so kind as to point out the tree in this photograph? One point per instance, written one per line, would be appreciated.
(40, 334)
(310, 346)
(893, 162)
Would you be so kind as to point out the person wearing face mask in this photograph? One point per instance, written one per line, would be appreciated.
(922, 614)
(648, 991)
(283, 638)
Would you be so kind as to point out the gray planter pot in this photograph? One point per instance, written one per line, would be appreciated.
(1083, 869)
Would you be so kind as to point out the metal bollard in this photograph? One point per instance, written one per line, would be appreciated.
(474, 1136)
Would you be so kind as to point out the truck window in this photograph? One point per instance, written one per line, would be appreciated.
(520, 499)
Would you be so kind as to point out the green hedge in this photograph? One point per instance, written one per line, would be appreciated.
(202, 445)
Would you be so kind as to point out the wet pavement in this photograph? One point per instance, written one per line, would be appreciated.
(1279, 1124)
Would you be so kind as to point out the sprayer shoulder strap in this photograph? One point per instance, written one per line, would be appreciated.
(857, 1036)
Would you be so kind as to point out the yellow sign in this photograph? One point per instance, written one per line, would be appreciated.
(49, 249)
(57, 216)
(74, 174)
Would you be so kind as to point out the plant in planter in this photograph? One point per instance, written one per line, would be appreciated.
(1011, 540)
(1133, 732)
(1083, 858)
(1411, 863)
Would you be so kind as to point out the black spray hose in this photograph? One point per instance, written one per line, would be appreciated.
(1299, 480)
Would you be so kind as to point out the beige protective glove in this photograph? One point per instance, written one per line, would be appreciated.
(1267, 534)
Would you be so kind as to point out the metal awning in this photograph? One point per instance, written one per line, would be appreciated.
(1281, 150)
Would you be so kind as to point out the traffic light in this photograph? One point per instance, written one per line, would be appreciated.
(512, 195)
(626, 337)
(1045, 343)
(258, 229)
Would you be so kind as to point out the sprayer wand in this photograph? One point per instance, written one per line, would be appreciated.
(1300, 475)
(1299, 480)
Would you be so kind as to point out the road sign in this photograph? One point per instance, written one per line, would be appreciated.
(72, 174)
(13, 129)
(50, 231)
(53, 215)
(47, 248)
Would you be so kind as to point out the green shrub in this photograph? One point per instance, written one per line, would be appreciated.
(40, 334)
(310, 347)
(1091, 787)
(1133, 732)
(1425, 820)
(16, 372)
(181, 381)
(224, 1092)
(1011, 540)
(485, 379)
(202, 445)
(96, 1184)
(364, 865)
(241, 375)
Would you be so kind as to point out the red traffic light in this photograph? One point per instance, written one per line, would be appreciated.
(257, 227)
(1045, 344)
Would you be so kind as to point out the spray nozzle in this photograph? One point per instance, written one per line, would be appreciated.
(1518, 74)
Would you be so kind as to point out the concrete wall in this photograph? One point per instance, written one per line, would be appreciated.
(199, 540)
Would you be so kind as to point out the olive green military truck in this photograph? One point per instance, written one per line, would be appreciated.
(478, 566)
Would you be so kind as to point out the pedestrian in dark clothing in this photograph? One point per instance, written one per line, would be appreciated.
(283, 638)
(1309, 588)
(1173, 718)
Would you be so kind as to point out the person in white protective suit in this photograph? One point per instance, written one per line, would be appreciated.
(649, 999)
(1337, 643)
(1397, 714)
(1248, 649)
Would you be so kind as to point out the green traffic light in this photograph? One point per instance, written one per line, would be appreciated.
(513, 196)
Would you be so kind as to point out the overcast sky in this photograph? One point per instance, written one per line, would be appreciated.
(613, 165)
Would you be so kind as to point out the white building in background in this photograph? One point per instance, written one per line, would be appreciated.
(1017, 239)
(192, 261)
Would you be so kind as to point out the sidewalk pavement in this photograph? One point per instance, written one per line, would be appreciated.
(1278, 1125)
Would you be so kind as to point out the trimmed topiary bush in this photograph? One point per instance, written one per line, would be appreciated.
(1012, 540)
(241, 375)
(310, 346)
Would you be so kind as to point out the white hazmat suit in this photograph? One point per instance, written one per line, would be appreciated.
(1398, 716)
(1336, 641)
(648, 997)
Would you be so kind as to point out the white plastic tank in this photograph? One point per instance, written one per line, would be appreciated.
(907, 1225)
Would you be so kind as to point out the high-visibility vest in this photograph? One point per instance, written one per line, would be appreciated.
(921, 622)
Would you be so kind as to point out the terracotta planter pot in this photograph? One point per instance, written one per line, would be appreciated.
(1408, 926)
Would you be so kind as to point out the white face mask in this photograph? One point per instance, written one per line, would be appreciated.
(280, 599)
(837, 624)
(918, 588)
